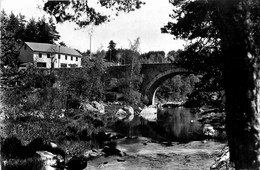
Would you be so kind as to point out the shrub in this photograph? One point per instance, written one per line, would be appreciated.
(10, 148)
(34, 163)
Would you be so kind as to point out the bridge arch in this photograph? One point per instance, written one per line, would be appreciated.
(155, 83)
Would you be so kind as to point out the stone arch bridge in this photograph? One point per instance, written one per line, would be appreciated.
(153, 76)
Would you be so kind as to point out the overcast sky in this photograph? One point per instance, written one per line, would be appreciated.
(144, 23)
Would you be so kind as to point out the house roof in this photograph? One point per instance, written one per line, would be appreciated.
(52, 48)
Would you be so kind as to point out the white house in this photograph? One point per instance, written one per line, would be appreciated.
(49, 55)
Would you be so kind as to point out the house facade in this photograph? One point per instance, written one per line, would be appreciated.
(49, 55)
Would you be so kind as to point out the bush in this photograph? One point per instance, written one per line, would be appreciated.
(19, 157)
(10, 148)
(82, 125)
(34, 163)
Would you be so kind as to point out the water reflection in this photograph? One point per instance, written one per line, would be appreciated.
(174, 124)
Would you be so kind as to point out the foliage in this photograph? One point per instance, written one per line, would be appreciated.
(178, 88)
(172, 55)
(10, 148)
(10, 29)
(196, 22)
(125, 55)
(82, 125)
(133, 79)
(41, 31)
(30, 91)
(111, 54)
(224, 35)
(33, 31)
(24, 164)
(86, 83)
(83, 14)
(153, 57)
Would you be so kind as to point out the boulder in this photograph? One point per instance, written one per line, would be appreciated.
(77, 163)
(93, 107)
(94, 153)
(110, 149)
(99, 107)
(50, 160)
(121, 114)
(88, 107)
(126, 113)
(208, 130)
(149, 113)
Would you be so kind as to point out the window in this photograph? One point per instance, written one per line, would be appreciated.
(63, 65)
(71, 58)
(25, 46)
(73, 65)
(41, 64)
(40, 55)
(66, 57)
(58, 56)
(48, 55)
(76, 58)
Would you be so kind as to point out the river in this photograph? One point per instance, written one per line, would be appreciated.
(174, 141)
(173, 124)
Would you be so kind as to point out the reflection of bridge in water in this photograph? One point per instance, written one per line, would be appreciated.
(153, 76)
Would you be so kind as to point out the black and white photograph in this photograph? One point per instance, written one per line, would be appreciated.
(130, 85)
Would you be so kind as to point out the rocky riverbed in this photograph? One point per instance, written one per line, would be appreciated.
(142, 153)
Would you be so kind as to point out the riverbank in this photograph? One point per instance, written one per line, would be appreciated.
(142, 153)
(148, 152)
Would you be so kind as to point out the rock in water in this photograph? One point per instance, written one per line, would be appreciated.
(77, 163)
(126, 113)
(149, 113)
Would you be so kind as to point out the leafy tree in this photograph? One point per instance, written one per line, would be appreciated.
(16, 25)
(172, 55)
(228, 32)
(31, 30)
(134, 78)
(46, 32)
(125, 56)
(40, 31)
(111, 54)
(83, 15)
(202, 54)
(9, 47)
(128, 82)
(177, 88)
(86, 83)
(153, 57)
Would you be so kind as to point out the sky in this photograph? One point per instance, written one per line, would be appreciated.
(144, 23)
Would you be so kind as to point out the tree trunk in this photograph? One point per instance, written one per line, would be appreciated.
(242, 82)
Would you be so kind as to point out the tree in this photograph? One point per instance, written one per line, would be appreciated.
(30, 33)
(83, 15)
(172, 55)
(125, 56)
(46, 32)
(111, 54)
(40, 31)
(197, 24)
(228, 32)
(240, 48)
(154, 57)
(9, 47)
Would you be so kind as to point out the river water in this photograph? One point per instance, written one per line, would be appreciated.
(173, 124)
